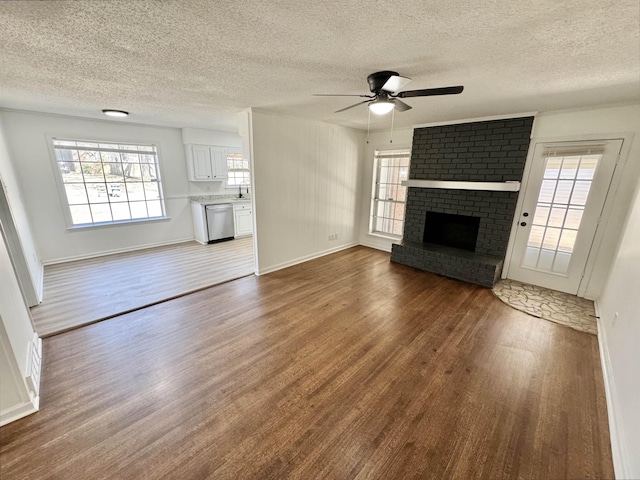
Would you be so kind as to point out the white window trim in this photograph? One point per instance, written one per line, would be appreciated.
(385, 235)
(236, 150)
(62, 194)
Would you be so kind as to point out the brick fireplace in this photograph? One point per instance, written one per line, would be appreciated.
(459, 232)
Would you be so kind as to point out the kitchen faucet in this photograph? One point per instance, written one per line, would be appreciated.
(240, 189)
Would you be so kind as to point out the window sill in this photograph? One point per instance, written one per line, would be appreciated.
(118, 223)
(386, 236)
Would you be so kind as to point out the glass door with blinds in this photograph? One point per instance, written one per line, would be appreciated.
(563, 201)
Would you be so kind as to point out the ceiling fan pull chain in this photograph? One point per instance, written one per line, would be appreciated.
(368, 124)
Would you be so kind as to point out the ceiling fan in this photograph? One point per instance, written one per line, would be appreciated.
(386, 96)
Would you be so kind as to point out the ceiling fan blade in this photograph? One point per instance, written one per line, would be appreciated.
(351, 106)
(400, 105)
(428, 92)
(340, 95)
(395, 83)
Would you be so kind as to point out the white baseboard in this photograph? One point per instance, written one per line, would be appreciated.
(617, 448)
(306, 258)
(376, 246)
(16, 412)
(117, 250)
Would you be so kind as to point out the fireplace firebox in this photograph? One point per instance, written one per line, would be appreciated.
(456, 231)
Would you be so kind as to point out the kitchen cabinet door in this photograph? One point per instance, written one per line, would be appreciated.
(243, 221)
(218, 162)
(201, 163)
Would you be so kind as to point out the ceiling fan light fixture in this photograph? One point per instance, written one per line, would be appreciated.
(115, 113)
(381, 107)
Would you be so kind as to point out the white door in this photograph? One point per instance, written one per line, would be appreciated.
(564, 197)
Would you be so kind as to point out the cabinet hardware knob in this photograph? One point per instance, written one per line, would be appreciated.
(525, 214)
(523, 224)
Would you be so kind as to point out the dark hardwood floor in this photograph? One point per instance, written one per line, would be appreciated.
(347, 366)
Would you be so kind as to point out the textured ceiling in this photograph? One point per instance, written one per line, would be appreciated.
(196, 63)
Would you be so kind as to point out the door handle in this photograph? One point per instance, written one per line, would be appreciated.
(523, 224)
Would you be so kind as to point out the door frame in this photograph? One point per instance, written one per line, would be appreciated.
(9, 232)
(626, 137)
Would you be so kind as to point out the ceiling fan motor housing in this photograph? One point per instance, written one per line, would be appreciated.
(377, 80)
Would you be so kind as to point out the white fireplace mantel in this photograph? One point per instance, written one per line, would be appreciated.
(494, 186)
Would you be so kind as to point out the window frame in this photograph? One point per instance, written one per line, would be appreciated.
(237, 151)
(57, 174)
(375, 191)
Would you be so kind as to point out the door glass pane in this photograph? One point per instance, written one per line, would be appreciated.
(561, 264)
(556, 219)
(547, 190)
(535, 237)
(545, 261)
(531, 257)
(559, 210)
(567, 241)
(553, 167)
(580, 193)
(569, 167)
(588, 167)
(551, 238)
(574, 217)
(563, 192)
(541, 215)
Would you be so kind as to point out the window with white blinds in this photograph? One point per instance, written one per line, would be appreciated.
(109, 182)
(391, 167)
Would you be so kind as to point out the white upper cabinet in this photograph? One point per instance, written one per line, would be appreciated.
(219, 162)
(201, 168)
(206, 163)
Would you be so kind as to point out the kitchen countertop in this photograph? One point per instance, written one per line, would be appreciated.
(218, 199)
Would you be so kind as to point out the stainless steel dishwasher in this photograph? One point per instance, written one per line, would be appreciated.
(220, 222)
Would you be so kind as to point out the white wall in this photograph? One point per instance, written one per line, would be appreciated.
(306, 186)
(611, 120)
(26, 137)
(378, 141)
(620, 345)
(20, 221)
(16, 336)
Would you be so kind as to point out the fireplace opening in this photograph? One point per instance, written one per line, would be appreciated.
(457, 231)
